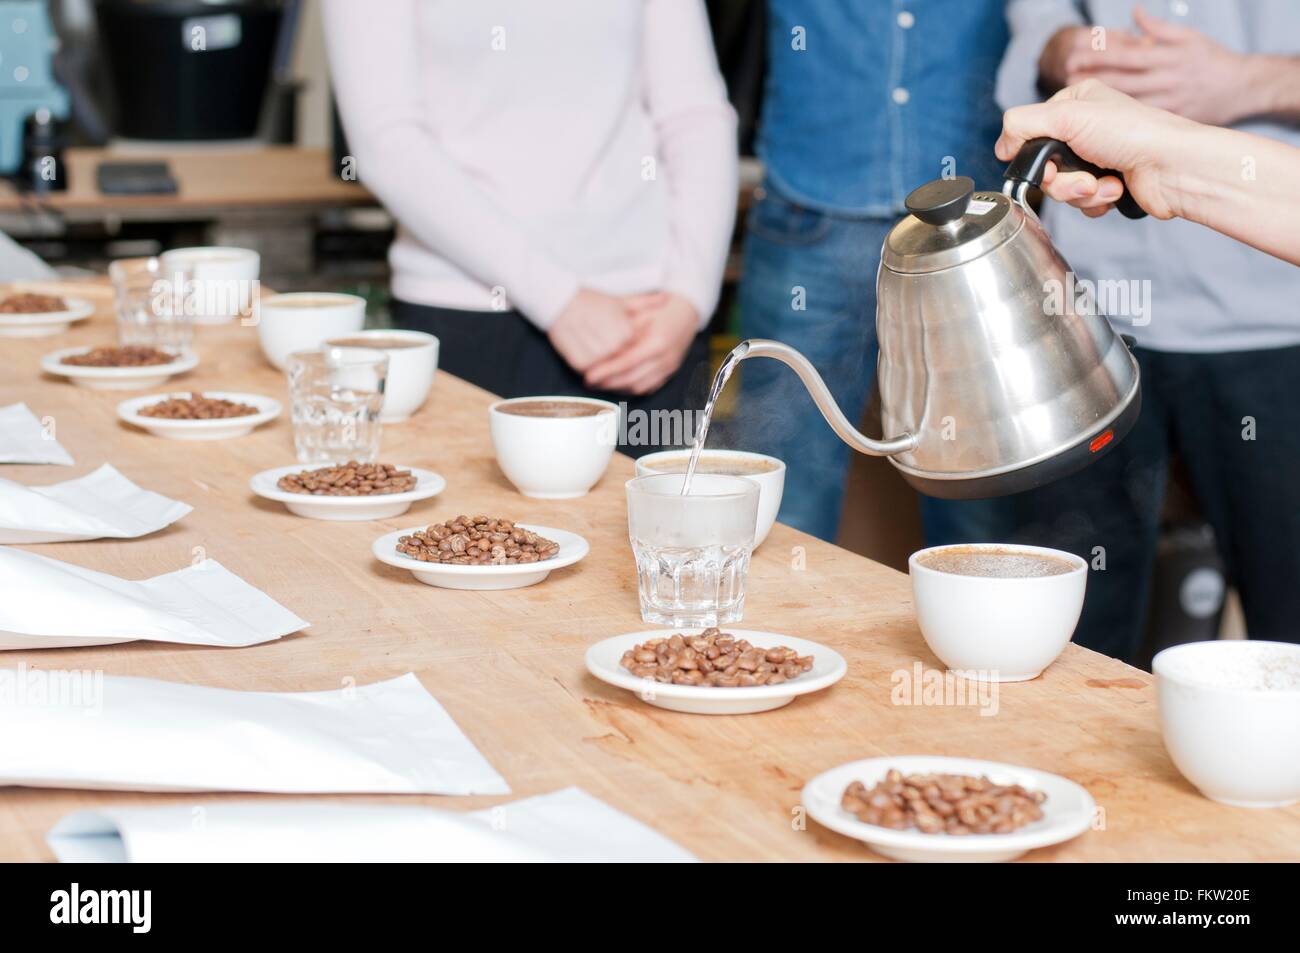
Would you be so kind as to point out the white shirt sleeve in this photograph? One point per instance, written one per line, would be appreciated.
(1032, 24)
(696, 130)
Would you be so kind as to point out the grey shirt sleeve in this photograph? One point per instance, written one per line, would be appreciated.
(1032, 23)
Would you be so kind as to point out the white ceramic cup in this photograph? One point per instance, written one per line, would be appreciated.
(305, 320)
(554, 458)
(225, 280)
(771, 483)
(410, 368)
(1230, 716)
(997, 629)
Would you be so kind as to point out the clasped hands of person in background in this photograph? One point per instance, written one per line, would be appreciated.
(630, 343)
(1166, 65)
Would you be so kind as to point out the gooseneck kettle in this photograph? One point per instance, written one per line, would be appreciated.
(996, 375)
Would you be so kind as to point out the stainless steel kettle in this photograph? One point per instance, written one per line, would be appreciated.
(984, 389)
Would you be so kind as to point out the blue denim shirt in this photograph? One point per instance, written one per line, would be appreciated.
(867, 99)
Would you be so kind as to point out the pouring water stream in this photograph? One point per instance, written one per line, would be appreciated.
(817, 389)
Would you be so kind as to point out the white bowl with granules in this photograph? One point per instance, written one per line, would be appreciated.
(604, 661)
(375, 506)
(1230, 716)
(1068, 810)
(450, 576)
(217, 428)
(995, 612)
(39, 324)
(133, 377)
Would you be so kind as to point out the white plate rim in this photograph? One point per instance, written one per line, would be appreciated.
(384, 549)
(51, 363)
(803, 685)
(78, 310)
(128, 413)
(826, 809)
(427, 483)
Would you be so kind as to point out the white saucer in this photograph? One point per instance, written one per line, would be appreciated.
(572, 548)
(220, 429)
(378, 507)
(603, 661)
(117, 378)
(1067, 812)
(45, 323)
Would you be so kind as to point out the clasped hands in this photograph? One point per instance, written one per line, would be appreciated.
(630, 343)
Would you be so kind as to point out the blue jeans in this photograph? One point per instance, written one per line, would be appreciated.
(810, 281)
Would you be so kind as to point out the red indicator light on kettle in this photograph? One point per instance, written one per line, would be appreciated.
(1099, 441)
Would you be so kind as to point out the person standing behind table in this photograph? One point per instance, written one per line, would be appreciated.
(863, 103)
(564, 181)
(1218, 339)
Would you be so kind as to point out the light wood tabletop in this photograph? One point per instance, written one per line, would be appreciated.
(508, 666)
(207, 180)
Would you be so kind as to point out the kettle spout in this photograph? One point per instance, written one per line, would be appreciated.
(821, 395)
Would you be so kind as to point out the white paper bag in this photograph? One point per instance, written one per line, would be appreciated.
(101, 504)
(567, 825)
(50, 604)
(140, 734)
(24, 440)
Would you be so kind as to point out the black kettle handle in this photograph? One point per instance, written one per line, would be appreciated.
(1031, 161)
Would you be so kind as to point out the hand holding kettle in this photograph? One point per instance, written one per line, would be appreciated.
(1243, 185)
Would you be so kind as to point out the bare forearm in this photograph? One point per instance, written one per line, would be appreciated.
(1242, 185)
(1270, 87)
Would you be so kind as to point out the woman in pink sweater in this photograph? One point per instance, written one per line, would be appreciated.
(563, 176)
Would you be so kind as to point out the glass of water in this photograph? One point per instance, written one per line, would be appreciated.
(151, 301)
(335, 394)
(692, 551)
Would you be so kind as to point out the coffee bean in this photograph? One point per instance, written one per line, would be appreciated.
(349, 479)
(477, 541)
(714, 659)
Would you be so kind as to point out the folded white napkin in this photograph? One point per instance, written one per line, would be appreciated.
(24, 440)
(567, 825)
(49, 604)
(89, 730)
(99, 504)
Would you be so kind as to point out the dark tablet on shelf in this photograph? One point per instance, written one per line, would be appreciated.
(135, 178)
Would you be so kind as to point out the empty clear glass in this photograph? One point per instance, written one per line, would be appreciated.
(151, 303)
(335, 395)
(692, 551)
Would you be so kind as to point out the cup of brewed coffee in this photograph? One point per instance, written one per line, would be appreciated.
(767, 472)
(305, 320)
(997, 612)
(554, 448)
(412, 362)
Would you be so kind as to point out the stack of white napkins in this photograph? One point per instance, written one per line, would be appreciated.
(51, 604)
(87, 730)
(24, 440)
(567, 825)
(100, 504)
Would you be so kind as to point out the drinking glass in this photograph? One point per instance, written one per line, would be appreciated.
(692, 551)
(335, 394)
(151, 303)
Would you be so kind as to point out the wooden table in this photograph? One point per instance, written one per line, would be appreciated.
(508, 665)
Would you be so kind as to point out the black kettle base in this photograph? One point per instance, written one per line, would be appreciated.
(1086, 451)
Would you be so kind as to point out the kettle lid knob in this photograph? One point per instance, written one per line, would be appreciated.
(941, 201)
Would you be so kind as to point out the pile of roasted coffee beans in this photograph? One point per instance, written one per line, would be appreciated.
(197, 407)
(477, 541)
(349, 479)
(129, 356)
(714, 659)
(943, 804)
(27, 303)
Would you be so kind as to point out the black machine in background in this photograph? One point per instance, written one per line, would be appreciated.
(189, 69)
